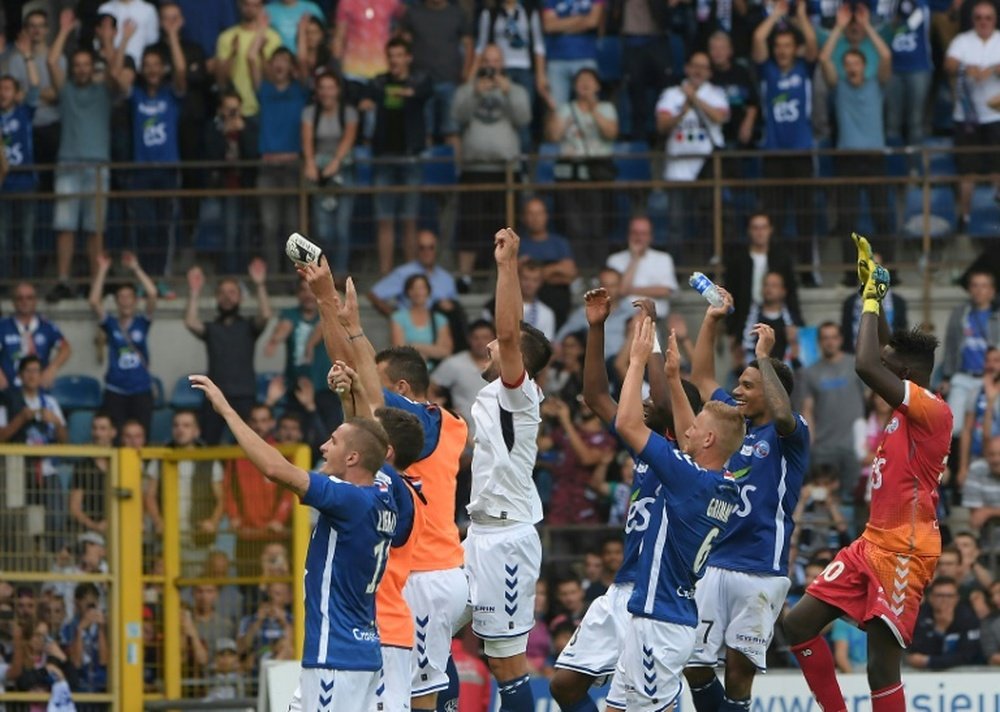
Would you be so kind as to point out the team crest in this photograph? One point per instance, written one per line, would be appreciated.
(892, 426)
(761, 449)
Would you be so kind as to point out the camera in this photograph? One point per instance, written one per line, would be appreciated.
(487, 73)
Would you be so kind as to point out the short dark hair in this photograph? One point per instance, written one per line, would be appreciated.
(572, 579)
(781, 369)
(284, 50)
(11, 78)
(535, 349)
(481, 324)
(184, 411)
(785, 30)
(406, 435)
(940, 581)
(262, 406)
(125, 285)
(370, 440)
(916, 347)
(413, 279)
(103, 415)
(398, 42)
(829, 325)
(981, 272)
(951, 549)
(661, 420)
(758, 214)
(153, 51)
(27, 361)
(404, 363)
(857, 53)
(37, 11)
(87, 588)
(616, 540)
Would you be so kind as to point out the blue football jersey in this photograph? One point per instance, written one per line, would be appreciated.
(691, 510)
(404, 503)
(428, 414)
(643, 493)
(14, 336)
(786, 102)
(769, 471)
(344, 564)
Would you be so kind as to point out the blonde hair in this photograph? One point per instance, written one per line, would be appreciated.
(730, 426)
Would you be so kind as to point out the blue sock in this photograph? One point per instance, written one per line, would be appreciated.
(583, 705)
(709, 697)
(729, 705)
(515, 695)
(448, 699)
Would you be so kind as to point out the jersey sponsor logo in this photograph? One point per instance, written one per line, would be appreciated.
(638, 515)
(365, 636)
(761, 449)
(687, 593)
(746, 451)
(484, 609)
(892, 426)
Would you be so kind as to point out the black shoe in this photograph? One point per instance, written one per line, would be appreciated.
(58, 293)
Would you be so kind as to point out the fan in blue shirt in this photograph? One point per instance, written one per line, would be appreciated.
(347, 553)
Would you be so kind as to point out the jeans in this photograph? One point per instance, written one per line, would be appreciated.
(647, 68)
(561, 72)
(17, 220)
(526, 79)
(437, 111)
(154, 220)
(83, 210)
(404, 206)
(279, 214)
(331, 224)
(906, 103)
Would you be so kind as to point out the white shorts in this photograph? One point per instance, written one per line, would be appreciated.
(437, 600)
(594, 648)
(503, 563)
(393, 691)
(736, 610)
(652, 663)
(322, 690)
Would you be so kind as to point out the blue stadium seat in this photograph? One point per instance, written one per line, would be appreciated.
(941, 163)
(984, 216)
(897, 164)
(943, 216)
(548, 152)
(160, 426)
(78, 425)
(185, 397)
(632, 165)
(77, 392)
(440, 169)
(609, 58)
(159, 394)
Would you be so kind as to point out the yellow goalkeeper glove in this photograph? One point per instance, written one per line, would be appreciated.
(875, 289)
(866, 263)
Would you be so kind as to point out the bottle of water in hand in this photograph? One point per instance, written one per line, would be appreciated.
(708, 289)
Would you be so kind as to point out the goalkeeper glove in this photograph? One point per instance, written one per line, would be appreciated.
(866, 263)
(876, 288)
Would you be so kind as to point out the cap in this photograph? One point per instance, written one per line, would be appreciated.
(223, 644)
(91, 538)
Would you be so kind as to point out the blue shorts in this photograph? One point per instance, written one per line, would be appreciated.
(80, 212)
(404, 205)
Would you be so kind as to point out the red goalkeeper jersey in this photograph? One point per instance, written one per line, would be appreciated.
(908, 466)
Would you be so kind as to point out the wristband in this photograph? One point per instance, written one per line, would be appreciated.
(656, 344)
(871, 306)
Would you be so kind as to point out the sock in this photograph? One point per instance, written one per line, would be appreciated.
(729, 705)
(515, 695)
(448, 699)
(889, 699)
(583, 705)
(816, 660)
(708, 698)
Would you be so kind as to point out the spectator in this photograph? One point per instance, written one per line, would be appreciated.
(582, 443)
(259, 510)
(388, 294)
(273, 563)
(858, 101)
(25, 604)
(947, 633)
(850, 646)
(691, 116)
(84, 145)
(133, 435)
(609, 279)
(286, 16)
(971, 61)
(137, 23)
(88, 490)
(785, 73)
(746, 269)
(398, 98)
(155, 109)
(912, 69)
(517, 31)
(570, 43)
(536, 313)
(85, 637)
(819, 521)
(833, 406)
(228, 601)
(611, 555)
(440, 35)
(565, 376)
(230, 341)
(646, 273)
(229, 139)
(282, 97)
(362, 30)
(205, 21)
(617, 494)
(981, 493)
(200, 498)
(570, 603)
(741, 90)
(232, 52)
(211, 625)
(555, 254)
(990, 632)
(329, 129)
(585, 129)
(314, 52)
(44, 663)
(128, 385)
(460, 375)
(774, 312)
(982, 420)
(647, 65)
(973, 327)
(17, 217)
(194, 652)
(488, 110)
(28, 333)
(474, 677)
(227, 682)
(894, 306)
(260, 632)
(45, 125)
(419, 325)
(973, 578)
(294, 329)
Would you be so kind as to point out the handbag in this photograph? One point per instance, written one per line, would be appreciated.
(586, 169)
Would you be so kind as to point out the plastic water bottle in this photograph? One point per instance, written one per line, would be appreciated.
(707, 289)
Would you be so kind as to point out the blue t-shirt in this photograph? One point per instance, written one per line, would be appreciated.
(859, 115)
(391, 287)
(643, 494)
(909, 36)
(154, 125)
(295, 345)
(280, 117)
(128, 355)
(552, 249)
(205, 21)
(15, 128)
(979, 416)
(345, 561)
(285, 19)
(44, 336)
(786, 99)
(769, 471)
(404, 505)
(692, 508)
(563, 45)
(975, 332)
(428, 414)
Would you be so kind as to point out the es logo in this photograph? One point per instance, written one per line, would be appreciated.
(745, 506)
(638, 515)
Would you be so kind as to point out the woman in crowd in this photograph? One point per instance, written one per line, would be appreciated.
(419, 326)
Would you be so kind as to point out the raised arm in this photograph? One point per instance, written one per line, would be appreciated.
(596, 390)
(258, 275)
(810, 49)
(881, 48)
(320, 281)
(659, 390)
(683, 413)
(265, 458)
(67, 23)
(779, 405)
(131, 262)
(172, 29)
(362, 349)
(759, 50)
(868, 360)
(196, 282)
(96, 297)
(826, 55)
(509, 306)
(630, 423)
(703, 365)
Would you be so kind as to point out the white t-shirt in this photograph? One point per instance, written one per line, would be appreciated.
(656, 269)
(506, 445)
(147, 22)
(511, 26)
(757, 279)
(185, 474)
(970, 50)
(694, 137)
(540, 316)
(461, 375)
